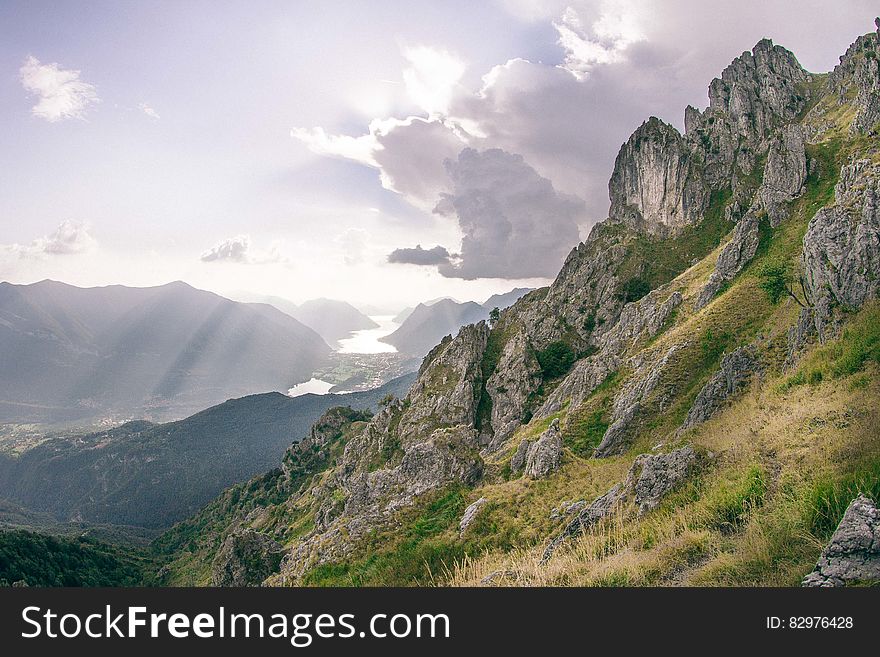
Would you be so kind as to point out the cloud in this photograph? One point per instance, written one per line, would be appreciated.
(353, 243)
(149, 111)
(514, 223)
(61, 94)
(617, 62)
(238, 250)
(602, 40)
(408, 153)
(234, 249)
(70, 238)
(431, 77)
(419, 256)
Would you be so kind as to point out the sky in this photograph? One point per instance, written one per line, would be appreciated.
(383, 153)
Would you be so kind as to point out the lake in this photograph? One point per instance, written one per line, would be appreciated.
(367, 341)
(360, 342)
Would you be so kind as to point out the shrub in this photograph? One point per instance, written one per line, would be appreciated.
(556, 359)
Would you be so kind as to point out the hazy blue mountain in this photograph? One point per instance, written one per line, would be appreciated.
(333, 320)
(70, 353)
(507, 299)
(400, 317)
(151, 475)
(425, 325)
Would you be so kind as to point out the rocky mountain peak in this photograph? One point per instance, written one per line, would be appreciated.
(654, 187)
(760, 88)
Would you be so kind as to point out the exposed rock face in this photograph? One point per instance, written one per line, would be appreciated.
(853, 554)
(760, 89)
(515, 377)
(784, 174)
(443, 394)
(655, 188)
(586, 288)
(518, 462)
(735, 371)
(545, 456)
(639, 320)
(857, 74)
(326, 429)
(841, 256)
(627, 404)
(470, 514)
(246, 558)
(411, 447)
(733, 257)
(650, 478)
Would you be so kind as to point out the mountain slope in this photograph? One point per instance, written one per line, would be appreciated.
(332, 320)
(694, 399)
(69, 353)
(427, 324)
(507, 299)
(150, 475)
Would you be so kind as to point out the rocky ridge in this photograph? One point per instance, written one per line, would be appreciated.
(748, 157)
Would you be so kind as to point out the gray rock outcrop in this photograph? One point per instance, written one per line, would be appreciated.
(518, 461)
(470, 514)
(628, 402)
(655, 188)
(758, 92)
(736, 369)
(841, 254)
(515, 377)
(784, 174)
(650, 478)
(858, 75)
(545, 456)
(246, 558)
(852, 556)
(733, 257)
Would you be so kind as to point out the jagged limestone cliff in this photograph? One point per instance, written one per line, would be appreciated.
(692, 400)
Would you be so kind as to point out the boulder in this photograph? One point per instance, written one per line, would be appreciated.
(545, 456)
(470, 514)
(650, 478)
(852, 556)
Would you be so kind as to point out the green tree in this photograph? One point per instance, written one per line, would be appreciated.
(776, 280)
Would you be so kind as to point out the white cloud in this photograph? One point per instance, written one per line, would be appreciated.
(514, 224)
(238, 250)
(431, 77)
(600, 41)
(408, 153)
(353, 243)
(61, 94)
(149, 111)
(70, 238)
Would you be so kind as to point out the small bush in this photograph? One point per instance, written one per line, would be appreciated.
(556, 359)
(634, 289)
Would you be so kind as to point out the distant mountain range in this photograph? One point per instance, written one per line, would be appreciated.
(70, 353)
(333, 320)
(427, 324)
(151, 475)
